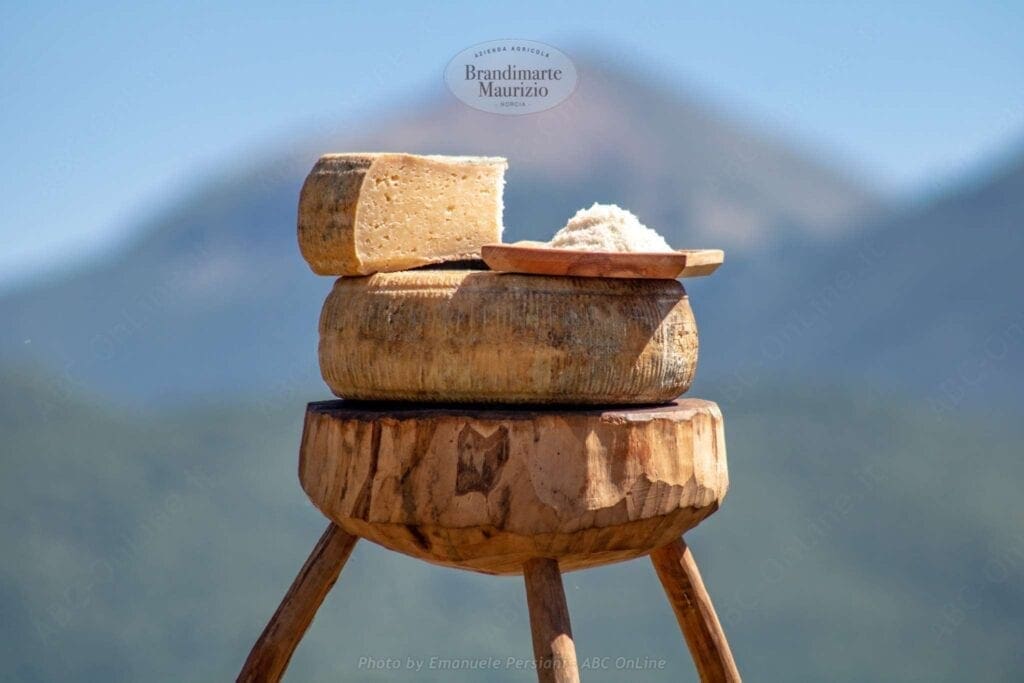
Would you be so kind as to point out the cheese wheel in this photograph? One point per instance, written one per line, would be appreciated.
(367, 213)
(482, 336)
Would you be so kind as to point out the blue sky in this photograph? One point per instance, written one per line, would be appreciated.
(109, 110)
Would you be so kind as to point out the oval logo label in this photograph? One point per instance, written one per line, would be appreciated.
(511, 77)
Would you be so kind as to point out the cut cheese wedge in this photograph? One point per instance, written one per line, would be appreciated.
(367, 213)
(480, 336)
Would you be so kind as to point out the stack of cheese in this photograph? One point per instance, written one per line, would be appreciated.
(456, 332)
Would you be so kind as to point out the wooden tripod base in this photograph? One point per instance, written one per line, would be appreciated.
(513, 490)
(553, 647)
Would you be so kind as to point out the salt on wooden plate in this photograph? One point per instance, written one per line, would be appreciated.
(603, 241)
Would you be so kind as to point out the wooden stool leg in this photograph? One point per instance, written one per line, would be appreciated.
(271, 653)
(553, 648)
(695, 613)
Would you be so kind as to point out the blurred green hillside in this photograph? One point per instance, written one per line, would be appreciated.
(859, 542)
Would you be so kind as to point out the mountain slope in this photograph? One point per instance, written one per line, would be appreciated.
(929, 301)
(956, 318)
(214, 299)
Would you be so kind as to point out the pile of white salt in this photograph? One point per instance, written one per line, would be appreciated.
(607, 227)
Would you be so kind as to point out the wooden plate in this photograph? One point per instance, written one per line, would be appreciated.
(578, 263)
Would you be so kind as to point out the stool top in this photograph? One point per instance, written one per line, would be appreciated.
(369, 410)
(487, 488)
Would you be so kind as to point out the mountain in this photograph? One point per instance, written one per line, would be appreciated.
(213, 299)
(928, 301)
(861, 540)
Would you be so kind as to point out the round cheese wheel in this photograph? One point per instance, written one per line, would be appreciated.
(482, 336)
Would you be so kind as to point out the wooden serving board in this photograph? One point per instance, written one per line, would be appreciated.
(514, 258)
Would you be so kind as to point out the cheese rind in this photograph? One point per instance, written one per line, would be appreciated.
(482, 336)
(366, 213)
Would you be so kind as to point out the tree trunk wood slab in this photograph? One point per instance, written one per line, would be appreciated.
(489, 489)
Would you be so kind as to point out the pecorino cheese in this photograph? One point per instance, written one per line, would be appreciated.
(482, 336)
(367, 213)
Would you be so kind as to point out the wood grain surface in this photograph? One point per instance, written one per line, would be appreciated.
(487, 490)
(512, 258)
(553, 647)
(269, 657)
(691, 603)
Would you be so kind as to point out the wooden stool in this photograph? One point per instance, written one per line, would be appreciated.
(531, 491)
